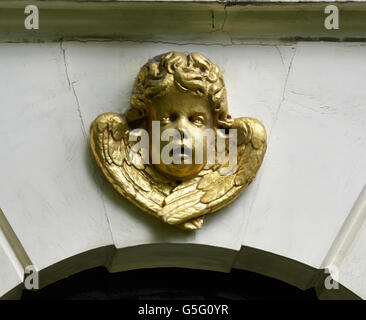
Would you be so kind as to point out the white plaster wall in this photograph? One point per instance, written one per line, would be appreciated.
(316, 162)
(310, 97)
(47, 190)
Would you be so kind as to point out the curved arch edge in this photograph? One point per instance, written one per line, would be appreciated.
(193, 256)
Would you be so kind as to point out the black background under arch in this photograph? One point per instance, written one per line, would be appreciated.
(168, 283)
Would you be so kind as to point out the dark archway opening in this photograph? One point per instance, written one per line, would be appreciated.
(168, 283)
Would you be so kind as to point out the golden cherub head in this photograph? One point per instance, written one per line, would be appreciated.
(185, 92)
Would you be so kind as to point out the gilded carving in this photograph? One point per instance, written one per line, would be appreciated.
(184, 93)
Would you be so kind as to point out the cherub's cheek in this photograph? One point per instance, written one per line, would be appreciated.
(163, 127)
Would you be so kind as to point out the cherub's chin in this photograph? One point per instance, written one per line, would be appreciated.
(180, 171)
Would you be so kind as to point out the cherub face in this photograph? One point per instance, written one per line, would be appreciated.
(181, 111)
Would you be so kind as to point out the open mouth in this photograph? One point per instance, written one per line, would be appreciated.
(181, 151)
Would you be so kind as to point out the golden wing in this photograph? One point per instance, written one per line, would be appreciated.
(212, 190)
(125, 170)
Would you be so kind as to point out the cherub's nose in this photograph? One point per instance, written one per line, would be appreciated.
(182, 124)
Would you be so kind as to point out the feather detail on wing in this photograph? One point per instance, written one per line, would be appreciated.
(213, 190)
(125, 170)
(108, 134)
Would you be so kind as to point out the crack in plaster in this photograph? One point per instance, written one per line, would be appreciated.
(78, 109)
(283, 90)
(225, 18)
(223, 25)
(213, 31)
(106, 215)
(279, 52)
(244, 225)
(250, 210)
(248, 42)
(351, 42)
(72, 87)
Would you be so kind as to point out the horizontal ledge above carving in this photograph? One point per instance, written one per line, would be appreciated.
(206, 22)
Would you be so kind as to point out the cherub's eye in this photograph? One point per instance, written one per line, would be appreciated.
(172, 117)
(197, 120)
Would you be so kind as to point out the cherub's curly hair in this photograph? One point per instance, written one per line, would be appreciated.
(188, 72)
